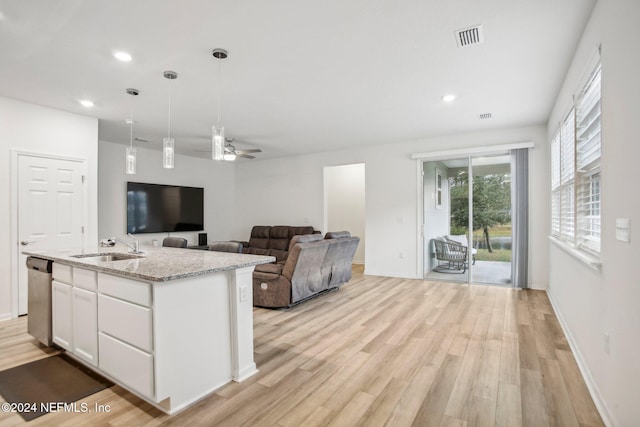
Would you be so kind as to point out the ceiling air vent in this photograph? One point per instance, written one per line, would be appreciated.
(470, 36)
(484, 116)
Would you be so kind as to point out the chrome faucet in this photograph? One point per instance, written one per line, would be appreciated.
(135, 246)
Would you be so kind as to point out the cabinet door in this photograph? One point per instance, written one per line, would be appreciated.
(85, 325)
(62, 315)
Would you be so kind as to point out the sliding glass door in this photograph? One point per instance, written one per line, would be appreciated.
(467, 219)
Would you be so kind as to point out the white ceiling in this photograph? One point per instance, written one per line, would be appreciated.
(301, 77)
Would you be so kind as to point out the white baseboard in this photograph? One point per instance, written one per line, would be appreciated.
(538, 287)
(584, 370)
(5, 316)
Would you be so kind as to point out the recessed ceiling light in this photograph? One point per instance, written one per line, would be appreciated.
(86, 103)
(448, 98)
(123, 56)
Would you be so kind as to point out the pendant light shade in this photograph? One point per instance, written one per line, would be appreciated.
(168, 143)
(218, 142)
(131, 155)
(131, 160)
(217, 149)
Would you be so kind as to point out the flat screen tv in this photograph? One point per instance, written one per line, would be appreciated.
(156, 208)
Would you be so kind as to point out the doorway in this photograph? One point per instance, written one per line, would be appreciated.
(344, 203)
(50, 211)
(467, 219)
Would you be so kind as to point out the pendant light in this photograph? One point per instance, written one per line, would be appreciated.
(218, 130)
(131, 150)
(168, 143)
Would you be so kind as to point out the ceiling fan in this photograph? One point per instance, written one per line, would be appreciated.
(230, 151)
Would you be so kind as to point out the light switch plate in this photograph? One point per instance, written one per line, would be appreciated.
(623, 229)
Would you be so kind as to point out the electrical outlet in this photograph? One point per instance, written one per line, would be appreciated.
(401, 255)
(606, 342)
(244, 293)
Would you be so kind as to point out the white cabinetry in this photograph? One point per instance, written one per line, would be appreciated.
(62, 314)
(169, 342)
(75, 311)
(85, 325)
(125, 322)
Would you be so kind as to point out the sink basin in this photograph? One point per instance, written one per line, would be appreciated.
(108, 257)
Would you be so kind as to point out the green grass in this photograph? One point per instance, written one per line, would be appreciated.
(503, 255)
(497, 231)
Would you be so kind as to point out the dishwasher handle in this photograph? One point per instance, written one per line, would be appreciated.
(39, 264)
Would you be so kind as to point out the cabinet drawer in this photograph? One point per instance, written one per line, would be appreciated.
(62, 273)
(126, 289)
(125, 321)
(132, 367)
(85, 279)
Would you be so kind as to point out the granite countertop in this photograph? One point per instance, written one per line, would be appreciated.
(158, 264)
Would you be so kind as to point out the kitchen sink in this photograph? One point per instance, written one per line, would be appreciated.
(108, 257)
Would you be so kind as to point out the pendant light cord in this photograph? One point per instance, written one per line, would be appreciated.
(219, 86)
(131, 126)
(169, 131)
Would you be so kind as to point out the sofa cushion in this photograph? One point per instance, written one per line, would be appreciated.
(461, 239)
(279, 237)
(269, 268)
(337, 264)
(256, 251)
(337, 234)
(296, 231)
(304, 238)
(304, 268)
(260, 236)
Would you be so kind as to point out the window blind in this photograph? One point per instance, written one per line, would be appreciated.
(555, 185)
(567, 177)
(588, 154)
(575, 167)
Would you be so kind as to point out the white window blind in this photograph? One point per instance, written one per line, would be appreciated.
(575, 169)
(567, 177)
(588, 153)
(555, 185)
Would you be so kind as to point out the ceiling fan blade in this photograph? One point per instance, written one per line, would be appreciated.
(245, 156)
(251, 150)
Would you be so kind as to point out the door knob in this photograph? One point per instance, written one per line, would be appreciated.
(26, 242)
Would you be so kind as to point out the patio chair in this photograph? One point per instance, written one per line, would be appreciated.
(452, 257)
(461, 239)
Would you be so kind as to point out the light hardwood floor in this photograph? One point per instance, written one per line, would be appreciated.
(380, 351)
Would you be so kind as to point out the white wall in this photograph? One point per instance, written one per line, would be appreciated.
(217, 179)
(344, 189)
(591, 303)
(436, 220)
(32, 128)
(289, 191)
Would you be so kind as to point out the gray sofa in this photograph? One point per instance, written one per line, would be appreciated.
(314, 265)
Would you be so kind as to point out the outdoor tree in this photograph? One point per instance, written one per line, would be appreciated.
(491, 202)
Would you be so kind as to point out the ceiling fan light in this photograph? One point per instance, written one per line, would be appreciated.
(218, 143)
(230, 156)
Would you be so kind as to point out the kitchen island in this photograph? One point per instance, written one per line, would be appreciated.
(171, 326)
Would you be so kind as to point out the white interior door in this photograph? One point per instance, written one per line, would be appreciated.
(50, 210)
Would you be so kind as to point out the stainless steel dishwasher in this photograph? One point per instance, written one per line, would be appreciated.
(39, 299)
